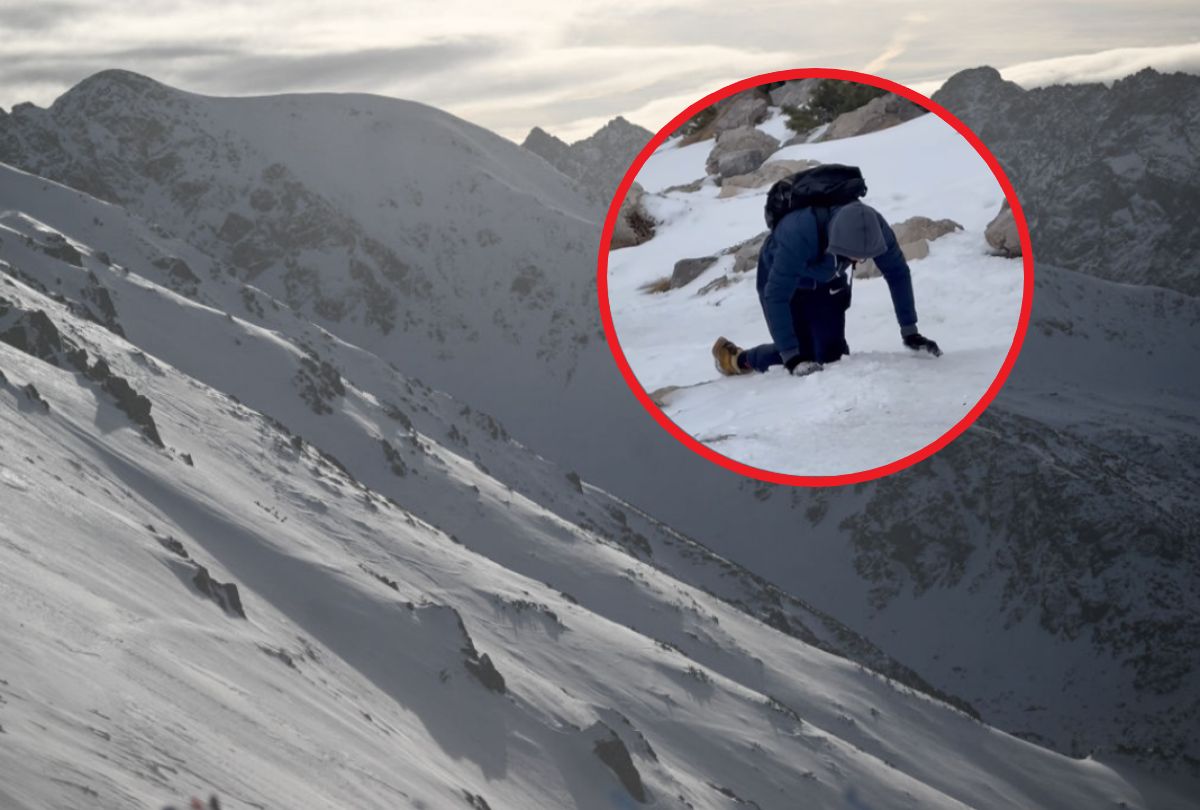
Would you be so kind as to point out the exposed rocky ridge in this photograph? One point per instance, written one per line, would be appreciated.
(598, 162)
(1109, 177)
(33, 332)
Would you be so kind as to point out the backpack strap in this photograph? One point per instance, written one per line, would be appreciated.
(823, 215)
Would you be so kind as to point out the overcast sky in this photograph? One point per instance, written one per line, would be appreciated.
(569, 67)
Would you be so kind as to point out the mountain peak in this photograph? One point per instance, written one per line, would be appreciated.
(539, 140)
(975, 85)
(113, 82)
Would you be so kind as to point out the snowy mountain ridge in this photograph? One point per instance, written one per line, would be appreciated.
(892, 576)
(230, 609)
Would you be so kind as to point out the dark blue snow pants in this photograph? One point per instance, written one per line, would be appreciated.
(819, 319)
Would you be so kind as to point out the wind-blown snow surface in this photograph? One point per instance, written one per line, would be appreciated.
(881, 403)
(372, 660)
(1042, 567)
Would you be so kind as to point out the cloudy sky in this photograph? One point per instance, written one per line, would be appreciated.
(571, 66)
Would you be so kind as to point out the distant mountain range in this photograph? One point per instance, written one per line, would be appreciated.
(372, 253)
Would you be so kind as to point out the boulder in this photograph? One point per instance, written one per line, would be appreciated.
(745, 254)
(685, 188)
(794, 93)
(688, 270)
(914, 235)
(912, 251)
(756, 145)
(634, 226)
(740, 162)
(746, 109)
(743, 110)
(878, 113)
(1001, 233)
(918, 227)
(763, 176)
(716, 284)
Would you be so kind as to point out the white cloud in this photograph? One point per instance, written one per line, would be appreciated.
(564, 66)
(1105, 66)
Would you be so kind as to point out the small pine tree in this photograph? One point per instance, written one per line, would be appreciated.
(830, 98)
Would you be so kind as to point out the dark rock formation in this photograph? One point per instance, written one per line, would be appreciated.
(1108, 177)
(225, 594)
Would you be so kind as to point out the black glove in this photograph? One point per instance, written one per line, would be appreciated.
(917, 342)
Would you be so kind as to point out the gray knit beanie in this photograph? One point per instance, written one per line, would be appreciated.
(854, 231)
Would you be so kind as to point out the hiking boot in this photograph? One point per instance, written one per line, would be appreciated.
(725, 355)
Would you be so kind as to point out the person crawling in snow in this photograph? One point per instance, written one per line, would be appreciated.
(819, 232)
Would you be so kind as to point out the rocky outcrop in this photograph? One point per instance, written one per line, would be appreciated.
(914, 235)
(794, 93)
(225, 594)
(1108, 177)
(763, 176)
(745, 254)
(35, 334)
(319, 383)
(134, 405)
(740, 151)
(878, 113)
(1001, 233)
(57, 246)
(746, 109)
(612, 751)
(745, 259)
(597, 163)
(923, 228)
(484, 671)
(178, 275)
(633, 226)
(688, 270)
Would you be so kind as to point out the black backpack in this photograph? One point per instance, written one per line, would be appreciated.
(819, 187)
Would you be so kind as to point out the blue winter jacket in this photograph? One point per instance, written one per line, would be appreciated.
(790, 261)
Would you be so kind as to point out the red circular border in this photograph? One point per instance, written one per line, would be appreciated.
(814, 480)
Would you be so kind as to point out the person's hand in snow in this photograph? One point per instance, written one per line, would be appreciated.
(918, 342)
(801, 368)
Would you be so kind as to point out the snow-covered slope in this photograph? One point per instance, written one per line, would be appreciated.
(881, 403)
(299, 375)
(400, 228)
(202, 599)
(1099, 469)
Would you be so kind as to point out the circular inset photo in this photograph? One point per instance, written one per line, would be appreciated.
(815, 277)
